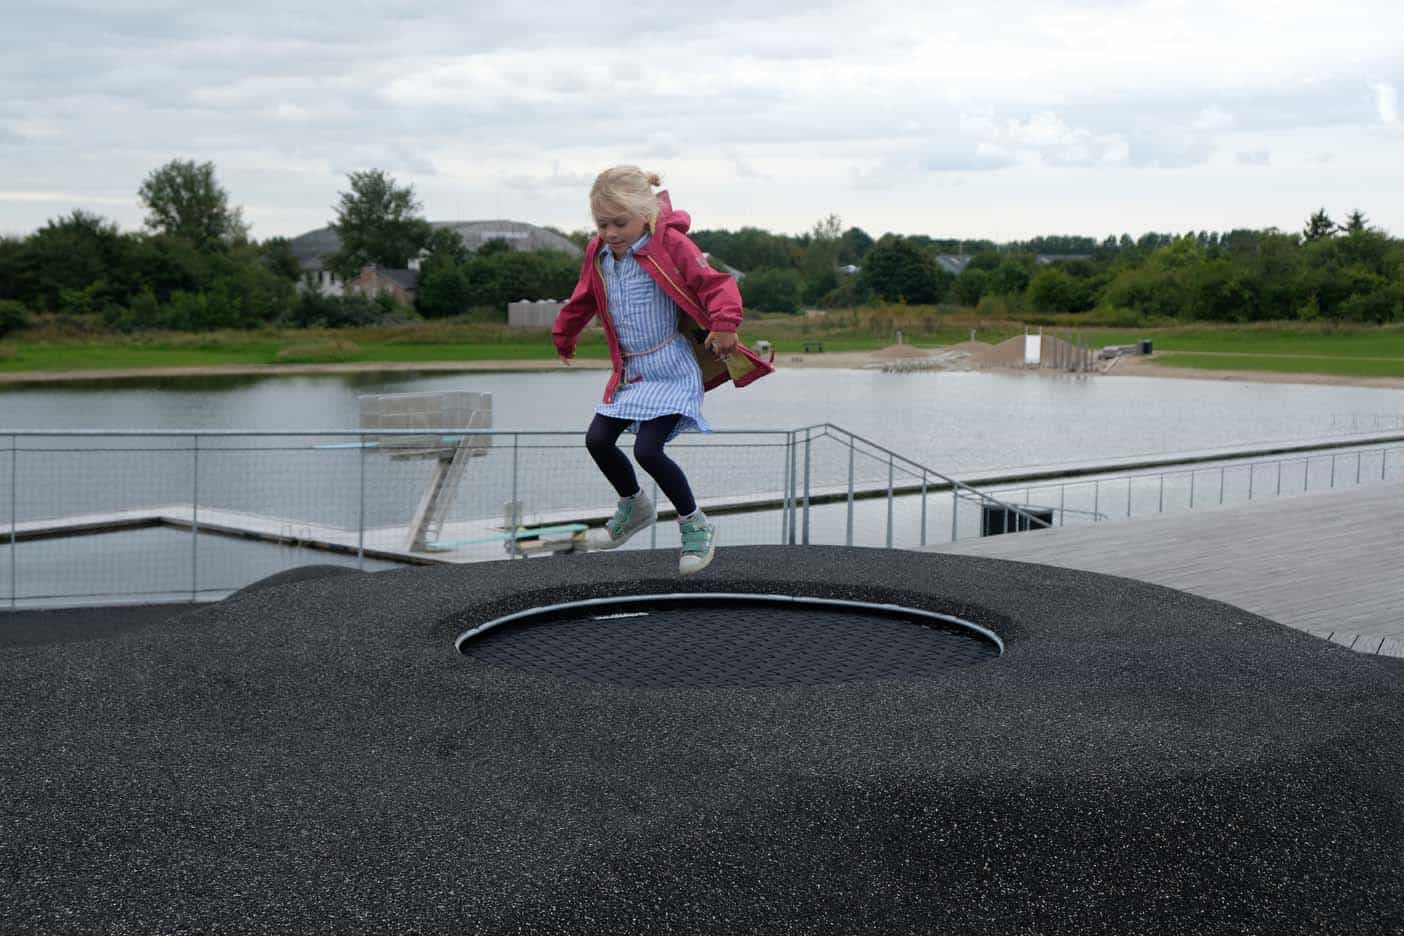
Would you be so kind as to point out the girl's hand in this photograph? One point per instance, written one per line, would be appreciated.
(720, 343)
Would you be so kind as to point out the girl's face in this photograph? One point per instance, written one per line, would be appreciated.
(618, 228)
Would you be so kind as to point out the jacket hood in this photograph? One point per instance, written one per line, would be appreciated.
(667, 217)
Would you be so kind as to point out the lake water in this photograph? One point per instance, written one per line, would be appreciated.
(950, 422)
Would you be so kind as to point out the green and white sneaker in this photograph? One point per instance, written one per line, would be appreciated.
(699, 538)
(633, 514)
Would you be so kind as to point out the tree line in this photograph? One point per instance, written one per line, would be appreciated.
(1346, 272)
(194, 267)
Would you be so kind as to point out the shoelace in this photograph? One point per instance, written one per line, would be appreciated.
(621, 517)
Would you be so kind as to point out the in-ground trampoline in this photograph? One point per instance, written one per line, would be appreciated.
(798, 740)
(727, 639)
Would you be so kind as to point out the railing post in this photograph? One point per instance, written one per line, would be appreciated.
(653, 527)
(1384, 458)
(195, 520)
(805, 537)
(1192, 474)
(1161, 508)
(1096, 501)
(1128, 497)
(955, 511)
(1358, 458)
(889, 500)
(1279, 478)
(361, 510)
(1221, 485)
(1333, 471)
(923, 507)
(1062, 502)
(785, 495)
(794, 489)
(848, 535)
(512, 504)
(14, 518)
(1252, 470)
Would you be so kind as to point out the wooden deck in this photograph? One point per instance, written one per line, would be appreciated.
(1331, 564)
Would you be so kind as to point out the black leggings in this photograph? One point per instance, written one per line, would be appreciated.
(605, 431)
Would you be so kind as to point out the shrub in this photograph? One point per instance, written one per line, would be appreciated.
(13, 316)
(772, 290)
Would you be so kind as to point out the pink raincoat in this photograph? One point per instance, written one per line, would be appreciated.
(708, 299)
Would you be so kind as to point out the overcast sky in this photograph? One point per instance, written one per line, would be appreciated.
(1000, 119)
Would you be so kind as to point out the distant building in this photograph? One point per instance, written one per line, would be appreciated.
(313, 248)
(954, 264)
(375, 280)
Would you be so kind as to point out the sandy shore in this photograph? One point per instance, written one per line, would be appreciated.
(836, 360)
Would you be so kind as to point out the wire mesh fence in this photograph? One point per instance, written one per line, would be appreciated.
(118, 517)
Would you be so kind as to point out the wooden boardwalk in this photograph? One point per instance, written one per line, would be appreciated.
(1331, 564)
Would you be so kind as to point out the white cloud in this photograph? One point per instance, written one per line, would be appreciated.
(774, 110)
(1387, 103)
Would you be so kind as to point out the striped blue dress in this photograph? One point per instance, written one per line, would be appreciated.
(661, 376)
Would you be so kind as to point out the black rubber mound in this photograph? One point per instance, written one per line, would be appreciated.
(305, 573)
(318, 758)
(727, 644)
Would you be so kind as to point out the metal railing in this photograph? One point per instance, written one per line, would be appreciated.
(1234, 480)
(136, 516)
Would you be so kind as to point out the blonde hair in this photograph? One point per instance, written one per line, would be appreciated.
(627, 187)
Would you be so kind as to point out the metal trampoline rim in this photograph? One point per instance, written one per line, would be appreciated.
(808, 600)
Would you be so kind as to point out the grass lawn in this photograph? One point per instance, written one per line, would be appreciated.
(1334, 365)
(1282, 348)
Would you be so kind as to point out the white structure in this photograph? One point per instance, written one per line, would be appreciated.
(439, 414)
(526, 313)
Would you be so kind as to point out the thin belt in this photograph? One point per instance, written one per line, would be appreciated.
(658, 347)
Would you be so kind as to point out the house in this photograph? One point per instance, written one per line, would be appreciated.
(375, 280)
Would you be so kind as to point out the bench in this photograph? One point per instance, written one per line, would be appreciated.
(813, 346)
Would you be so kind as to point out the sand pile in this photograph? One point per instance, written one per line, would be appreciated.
(1008, 353)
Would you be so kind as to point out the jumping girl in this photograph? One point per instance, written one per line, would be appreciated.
(670, 321)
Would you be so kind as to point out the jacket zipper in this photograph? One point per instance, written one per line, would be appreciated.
(604, 311)
(664, 273)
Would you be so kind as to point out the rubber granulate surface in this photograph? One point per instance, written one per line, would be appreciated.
(316, 757)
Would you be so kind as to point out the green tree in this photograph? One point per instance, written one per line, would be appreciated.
(13, 316)
(377, 222)
(970, 285)
(1319, 226)
(900, 271)
(772, 290)
(277, 255)
(74, 252)
(1356, 222)
(1011, 277)
(821, 259)
(1053, 290)
(854, 246)
(184, 200)
(445, 243)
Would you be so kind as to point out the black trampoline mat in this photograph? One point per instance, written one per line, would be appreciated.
(732, 644)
